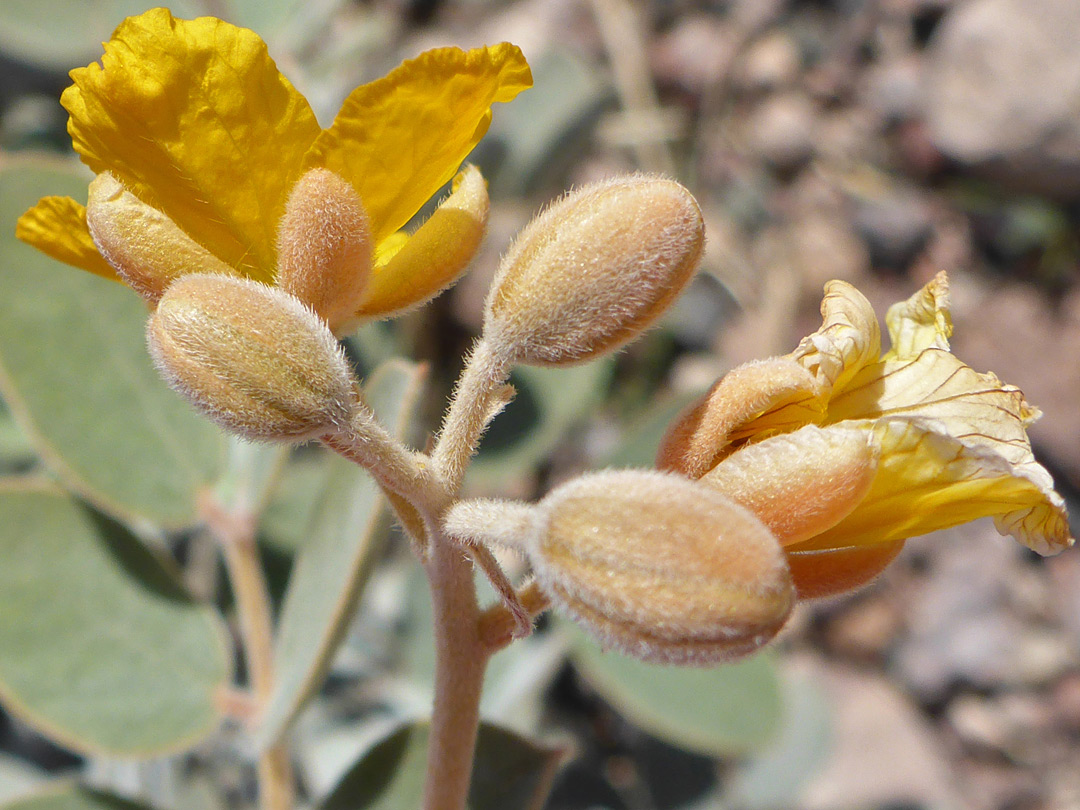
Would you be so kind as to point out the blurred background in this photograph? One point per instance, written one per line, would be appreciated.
(875, 141)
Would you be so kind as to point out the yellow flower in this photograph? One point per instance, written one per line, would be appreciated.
(198, 141)
(844, 453)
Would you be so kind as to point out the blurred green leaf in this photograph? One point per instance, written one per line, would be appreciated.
(63, 34)
(549, 402)
(335, 559)
(717, 711)
(15, 449)
(510, 771)
(548, 126)
(265, 17)
(641, 438)
(295, 500)
(774, 778)
(18, 778)
(70, 797)
(101, 649)
(75, 371)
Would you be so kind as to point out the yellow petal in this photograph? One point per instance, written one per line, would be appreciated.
(194, 118)
(976, 408)
(928, 480)
(799, 484)
(848, 339)
(57, 227)
(752, 400)
(147, 249)
(435, 256)
(921, 322)
(399, 139)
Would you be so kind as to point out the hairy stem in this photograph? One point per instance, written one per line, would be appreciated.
(474, 405)
(367, 443)
(460, 661)
(236, 535)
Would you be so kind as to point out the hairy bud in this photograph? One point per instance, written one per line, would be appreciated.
(146, 248)
(251, 357)
(661, 567)
(324, 246)
(594, 270)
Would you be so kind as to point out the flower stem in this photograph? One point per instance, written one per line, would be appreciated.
(474, 405)
(460, 661)
(236, 535)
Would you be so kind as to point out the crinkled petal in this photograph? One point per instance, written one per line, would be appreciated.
(435, 256)
(753, 400)
(922, 322)
(399, 139)
(799, 484)
(57, 227)
(928, 480)
(848, 339)
(978, 409)
(194, 118)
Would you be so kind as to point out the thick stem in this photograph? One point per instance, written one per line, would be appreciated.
(460, 661)
(236, 534)
(461, 655)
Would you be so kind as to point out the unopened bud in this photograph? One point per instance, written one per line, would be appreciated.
(660, 567)
(324, 246)
(251, 357)
(594, 270)
(146, 248)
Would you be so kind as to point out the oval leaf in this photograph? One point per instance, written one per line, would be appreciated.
(73, 798)
(334, 560)
(75, 371)
(717, 711)
(100, 647)
(509, 771)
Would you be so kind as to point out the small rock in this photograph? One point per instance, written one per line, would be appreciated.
(1002, 88)
(896, 227)
(693, 53)
(978, 723)
(1066, 702)
(781, 130)
(865, 629)
(825, 248)
(894, 89)
(771, 63)
(884, 753)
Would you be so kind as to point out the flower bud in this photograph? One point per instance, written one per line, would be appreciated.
(251, 357)
(594, 270)
(660, 567)
(146, 248)
(324, 246)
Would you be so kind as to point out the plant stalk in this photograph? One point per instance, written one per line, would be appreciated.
(236, 535)
(460, 661)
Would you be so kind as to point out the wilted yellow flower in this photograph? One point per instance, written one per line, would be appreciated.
(844, 452)
(198, 141)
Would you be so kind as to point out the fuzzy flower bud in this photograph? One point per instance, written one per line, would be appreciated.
(324, 246)
(251, 357)
(594, 270)
(653, 564)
